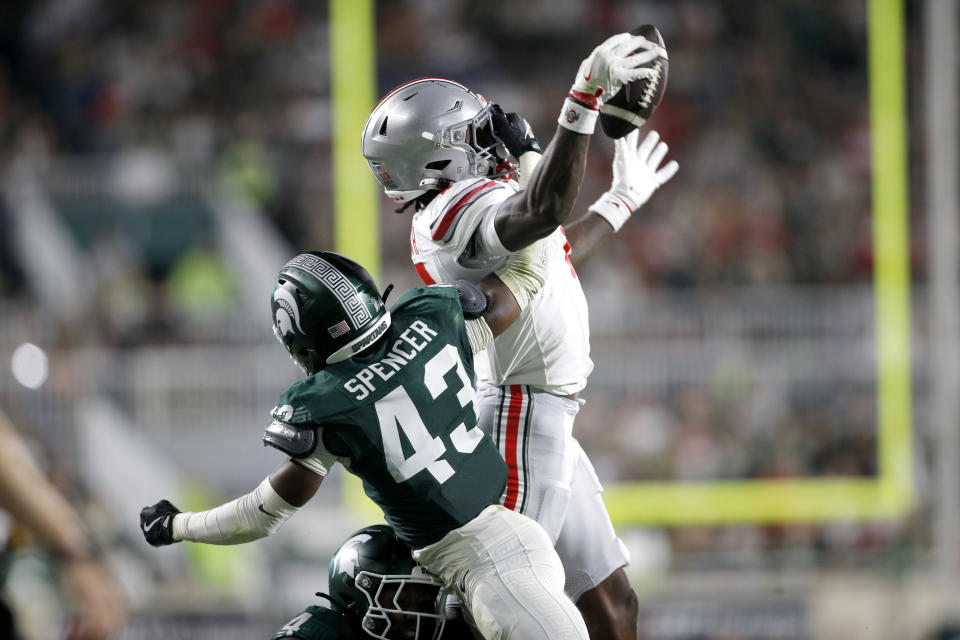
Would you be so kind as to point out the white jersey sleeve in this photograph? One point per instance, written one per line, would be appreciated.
(448, 224)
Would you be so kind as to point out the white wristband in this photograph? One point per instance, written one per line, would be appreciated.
(577, 117)
(613, 208)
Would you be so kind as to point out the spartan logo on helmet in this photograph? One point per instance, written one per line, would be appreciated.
(347, 559)
(326, 308)
(375, 582)
(287, 314)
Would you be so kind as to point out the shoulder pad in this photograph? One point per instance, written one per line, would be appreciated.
(296, 442)
(472, 299)
(452, 209)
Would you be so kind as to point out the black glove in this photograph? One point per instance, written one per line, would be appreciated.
(156, 522)
(514, 131)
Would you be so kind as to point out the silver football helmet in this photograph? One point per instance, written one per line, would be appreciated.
(428, 132)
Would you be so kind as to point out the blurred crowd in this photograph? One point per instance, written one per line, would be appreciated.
(775, 180)
(766, 111)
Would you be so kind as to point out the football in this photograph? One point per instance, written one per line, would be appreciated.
(630, 107)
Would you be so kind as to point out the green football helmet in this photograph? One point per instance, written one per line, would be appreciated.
(375, 582)
(326, 308)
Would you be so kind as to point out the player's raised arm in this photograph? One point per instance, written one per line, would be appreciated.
(637, 174)
(495, 302)
(555, 182)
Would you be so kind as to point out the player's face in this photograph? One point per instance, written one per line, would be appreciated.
(413, 598)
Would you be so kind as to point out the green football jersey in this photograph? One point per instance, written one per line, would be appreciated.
(403, 415)
(319, 623)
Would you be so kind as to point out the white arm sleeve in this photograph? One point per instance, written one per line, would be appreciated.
(249, 517)
(525, 272)
(479, 334)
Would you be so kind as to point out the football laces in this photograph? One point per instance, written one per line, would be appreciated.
(650, 87)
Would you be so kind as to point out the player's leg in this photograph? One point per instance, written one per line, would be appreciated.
(593, 558)
(557, 486)
(611, 609)
(508, 576)
(457, 623)
(533, 430)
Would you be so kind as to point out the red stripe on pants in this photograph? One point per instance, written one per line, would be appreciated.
(510, 447)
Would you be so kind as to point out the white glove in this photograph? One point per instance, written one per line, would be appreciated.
(613, 64)
(603, 73)
(635, 177)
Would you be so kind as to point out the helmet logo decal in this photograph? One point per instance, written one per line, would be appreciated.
(347, 559)
(288, 313)
(380, 172)
(338, 285)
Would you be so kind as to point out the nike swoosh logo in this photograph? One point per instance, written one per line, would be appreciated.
(589, 74)
(272, 515)
(147, 527)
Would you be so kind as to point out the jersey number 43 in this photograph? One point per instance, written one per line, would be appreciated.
(396, 411)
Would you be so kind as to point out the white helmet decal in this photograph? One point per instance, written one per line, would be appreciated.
(347, 559)
(288, 313)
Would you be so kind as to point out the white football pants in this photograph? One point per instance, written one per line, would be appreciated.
(552, 480)
(509, 579)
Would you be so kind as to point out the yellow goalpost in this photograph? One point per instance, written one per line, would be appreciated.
(890, 495)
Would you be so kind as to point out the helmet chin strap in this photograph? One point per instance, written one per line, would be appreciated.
(386, 292)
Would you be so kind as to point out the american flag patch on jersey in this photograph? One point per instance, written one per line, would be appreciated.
(338, 329)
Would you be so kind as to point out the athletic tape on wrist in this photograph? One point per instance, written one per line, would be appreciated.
(528, 162)
(578, 117)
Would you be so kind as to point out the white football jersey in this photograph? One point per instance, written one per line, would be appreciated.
(549, 344)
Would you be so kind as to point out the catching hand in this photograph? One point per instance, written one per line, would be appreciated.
(635, 176)
(613, 64)
(156, 522)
